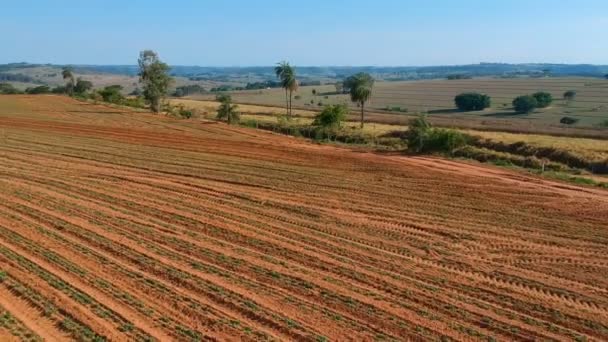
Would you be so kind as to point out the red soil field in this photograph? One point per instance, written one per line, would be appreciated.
(120, 225)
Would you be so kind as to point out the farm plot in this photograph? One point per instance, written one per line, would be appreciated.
(436, 97)
(129, 226)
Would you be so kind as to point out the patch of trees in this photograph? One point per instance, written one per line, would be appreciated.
(528, 103)
(262, 85)
(8, 77)
(225, 88)
(8, 89)
(459, 77)
(310, 83)
(188, 90)
(472, 101)
(44, 89)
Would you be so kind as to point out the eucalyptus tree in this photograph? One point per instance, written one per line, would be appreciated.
(68, 75)
(154, 75)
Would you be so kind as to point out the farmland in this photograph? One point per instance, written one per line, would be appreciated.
(437, 98)
(124, 225)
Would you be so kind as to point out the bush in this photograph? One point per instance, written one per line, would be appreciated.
(331, 116)
(112, 94)
(39, 90)
(472, 101)
(543, 99)
(566, 120)
(135, 102)
(8, 89)
(525, 104)
(422, 137)
(570, 95)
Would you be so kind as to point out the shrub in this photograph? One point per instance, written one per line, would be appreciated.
(8, 89)
(472, 101)
(570, 95)
(112, 94)
(39, 90)
(566, 120)
(59, 90)
(543, 99)
(82, 86)
(298, 97)
(320, 104)
(136, 102)
(525, 104)
(227, 111)
(331, 116)
(422, 137)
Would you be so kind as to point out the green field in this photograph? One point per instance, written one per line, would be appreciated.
(436, 97)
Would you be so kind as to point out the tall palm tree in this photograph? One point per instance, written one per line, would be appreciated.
(360, 88)
(293, 87)
(286, 74)
(68, 75)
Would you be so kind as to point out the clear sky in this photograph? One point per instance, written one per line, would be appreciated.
(309, 32)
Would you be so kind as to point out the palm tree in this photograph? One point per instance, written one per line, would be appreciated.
(287, 75)
(293, 87)
(360, 87)
(68, 74)
(227, 110)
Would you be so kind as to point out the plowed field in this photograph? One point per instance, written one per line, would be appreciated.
(130, 226)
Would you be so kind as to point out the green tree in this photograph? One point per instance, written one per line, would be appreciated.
(570, 95)
(112, 94)
(227, 111)
(543, 99)
(525, 104)
(472, 101)
(68, 75)
(331, 116)
(154, 76)
(82, 86)
(360, 87)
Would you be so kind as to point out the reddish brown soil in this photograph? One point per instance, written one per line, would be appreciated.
(186, 230)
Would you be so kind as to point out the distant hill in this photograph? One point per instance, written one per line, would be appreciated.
(338, 72)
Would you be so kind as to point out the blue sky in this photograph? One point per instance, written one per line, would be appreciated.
(310, 32)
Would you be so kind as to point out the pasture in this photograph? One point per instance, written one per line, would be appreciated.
(436, 97)
(123, 225)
